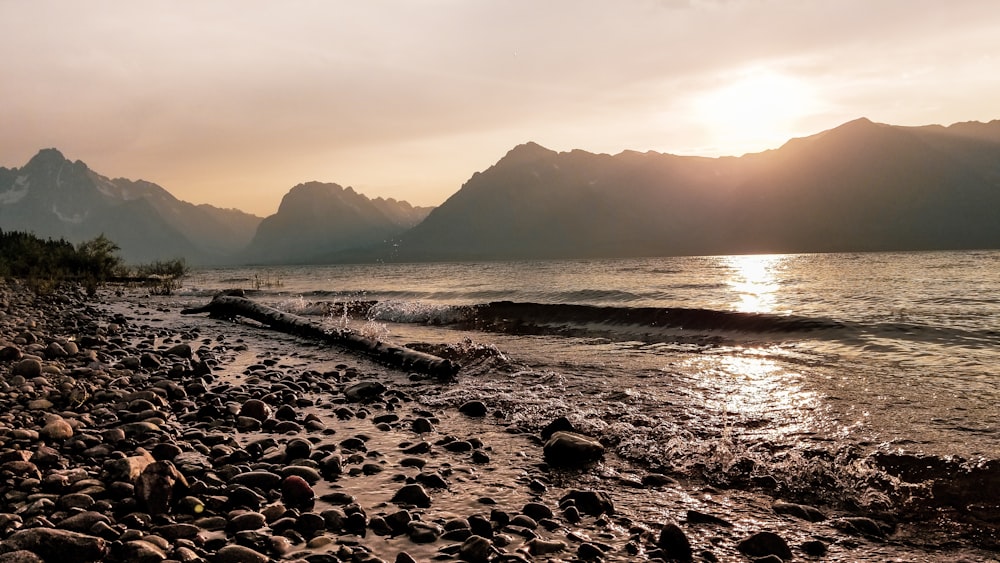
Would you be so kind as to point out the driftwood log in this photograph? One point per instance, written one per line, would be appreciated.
(227, 306)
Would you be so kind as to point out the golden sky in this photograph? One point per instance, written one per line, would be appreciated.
(232, 102)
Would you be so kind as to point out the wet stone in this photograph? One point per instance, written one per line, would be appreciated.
(567, 449)
(674, 542)
(412, 494)
(476, 409)
(763, 544)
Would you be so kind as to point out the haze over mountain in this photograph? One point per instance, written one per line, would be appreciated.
(316, 221)
(53, 197)
(862, 186)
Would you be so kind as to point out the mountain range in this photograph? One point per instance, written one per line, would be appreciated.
(862, 186)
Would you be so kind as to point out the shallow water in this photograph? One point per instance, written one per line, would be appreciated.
(787, 372)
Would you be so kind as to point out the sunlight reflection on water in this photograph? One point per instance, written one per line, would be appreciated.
(754, 281)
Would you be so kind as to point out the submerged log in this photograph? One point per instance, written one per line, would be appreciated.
(228, 306)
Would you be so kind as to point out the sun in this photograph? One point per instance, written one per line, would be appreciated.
(754, 110)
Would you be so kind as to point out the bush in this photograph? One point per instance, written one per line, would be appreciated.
(43, 264)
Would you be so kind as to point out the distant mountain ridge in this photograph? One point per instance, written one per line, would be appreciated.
(862, 186)
(316, 221)
(53, 197)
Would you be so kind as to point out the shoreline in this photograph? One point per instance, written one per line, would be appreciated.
(254, 423)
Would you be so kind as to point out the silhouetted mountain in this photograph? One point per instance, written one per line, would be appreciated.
(53, 197)
(861, 186)
(317, 221)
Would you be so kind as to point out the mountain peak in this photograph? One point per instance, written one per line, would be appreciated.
(527, 152)
(47, 157)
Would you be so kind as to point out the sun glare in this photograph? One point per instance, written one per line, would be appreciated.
(753, 281)
(755, 111)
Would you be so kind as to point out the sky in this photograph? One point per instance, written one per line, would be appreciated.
(233, 102)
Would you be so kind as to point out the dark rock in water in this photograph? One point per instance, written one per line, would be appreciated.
(763, 544)
(476, 549)
(263, 480)
(801, 511)
(814, 548)
(257, 409)
(674, 542)
(561, 424)
(475, 409)
(422, 426)
(539, 546)
(424, 532)
(860, 526)
(364, 391)
(297, 448)
(295, 491)
(180, 350)
(58, 545)
(593, 503)
(658, 480)
(696, 517)
(568, 449)
(537, 510)
(412, 494)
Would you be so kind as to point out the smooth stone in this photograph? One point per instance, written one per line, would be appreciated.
(28, 368)
(57, 429)
(476, 549)
(593, 503)
(140, 551)
(763, 544)
(568, 449)
(295, 491)
(476, 409)
(246, 521)
(263, 480)
(239, 554)
(413, 494)
(801, 511)
(364, 391)
(58, 545)
(538, 546)
(674, 542)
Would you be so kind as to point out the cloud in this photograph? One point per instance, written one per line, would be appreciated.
(202, 96)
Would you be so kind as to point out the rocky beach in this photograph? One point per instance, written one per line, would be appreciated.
(131, 433)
